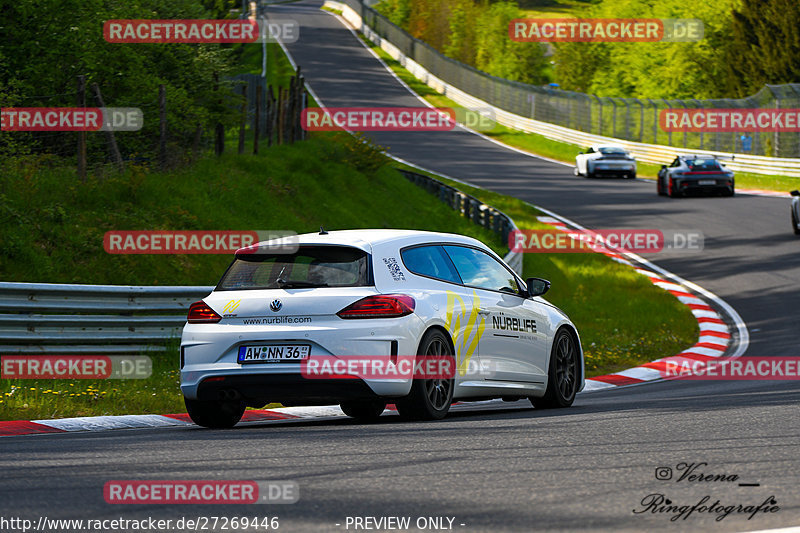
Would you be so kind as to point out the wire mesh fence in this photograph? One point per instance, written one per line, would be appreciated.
(169, 136)
(630, 119)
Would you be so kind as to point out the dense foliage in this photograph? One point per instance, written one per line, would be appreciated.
(475, 33)
(764, 46)
(747, 43)
(46, 44)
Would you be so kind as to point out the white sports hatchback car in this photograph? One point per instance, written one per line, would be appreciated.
(387, 295)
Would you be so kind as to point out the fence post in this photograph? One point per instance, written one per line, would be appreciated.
(162, 130)
(243, 120)
(113, 149)
(281, 114)
(81, 98)
(219, 129)
(599, 116)
(655, 121)
(270, 118)
(257, 119)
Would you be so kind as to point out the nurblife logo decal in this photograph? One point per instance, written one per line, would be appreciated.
(466, 328)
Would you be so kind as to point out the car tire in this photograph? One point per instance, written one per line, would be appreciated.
(429, 399)
(659, 188)
(631, 175)
(590, 175)
(366, 411)
(215, 414)
(562, 374)
(794, 224)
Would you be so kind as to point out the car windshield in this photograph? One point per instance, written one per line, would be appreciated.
(611, 150)
(310, 266)
(703, 164)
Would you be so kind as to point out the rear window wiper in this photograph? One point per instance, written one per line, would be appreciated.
(297, 284)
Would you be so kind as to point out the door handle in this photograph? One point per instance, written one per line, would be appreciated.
(484, 312)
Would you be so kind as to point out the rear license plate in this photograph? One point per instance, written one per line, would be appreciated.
(707, 182)
(274, 353)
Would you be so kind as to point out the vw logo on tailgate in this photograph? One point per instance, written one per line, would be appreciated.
(276, 305)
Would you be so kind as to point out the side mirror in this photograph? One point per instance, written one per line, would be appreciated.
(537, 286)
(795, 193)
(663, 167)
(580, 153)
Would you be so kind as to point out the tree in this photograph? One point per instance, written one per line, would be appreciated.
(765, 46)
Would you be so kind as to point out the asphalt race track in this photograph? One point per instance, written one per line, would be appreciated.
(493, 469)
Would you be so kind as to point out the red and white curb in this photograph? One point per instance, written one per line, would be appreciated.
(105, 423)
(713, 342)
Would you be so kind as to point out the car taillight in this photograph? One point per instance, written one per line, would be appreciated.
(200, 312)
(379, 306)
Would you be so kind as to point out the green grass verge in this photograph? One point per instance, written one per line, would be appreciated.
(561, 151)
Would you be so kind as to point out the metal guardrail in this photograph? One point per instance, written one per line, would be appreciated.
(580, 118)
(42, 318)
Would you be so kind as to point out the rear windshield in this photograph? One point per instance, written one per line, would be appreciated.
(703, 164)
(310, 266)
(611, 150)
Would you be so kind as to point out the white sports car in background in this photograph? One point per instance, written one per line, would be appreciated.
(383, 294)
(605, 160)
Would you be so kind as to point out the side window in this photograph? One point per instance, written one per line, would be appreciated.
(676, 163)
(590, 150)
(479, 269)
(430, 261)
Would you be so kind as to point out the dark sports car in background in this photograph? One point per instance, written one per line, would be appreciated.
(695, 174)
(796, 212)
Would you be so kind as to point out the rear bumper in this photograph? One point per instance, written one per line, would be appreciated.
(694, 187)
(612, 170)
(289, 389)
(209, 359)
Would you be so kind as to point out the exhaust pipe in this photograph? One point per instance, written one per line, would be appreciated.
(228, 394)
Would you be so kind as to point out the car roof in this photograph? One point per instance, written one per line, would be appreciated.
(687, 157)
(598, 146)
(365, 239)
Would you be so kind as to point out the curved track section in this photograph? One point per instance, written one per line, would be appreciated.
(515, 469)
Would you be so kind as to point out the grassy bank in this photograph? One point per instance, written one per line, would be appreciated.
(561, 151)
